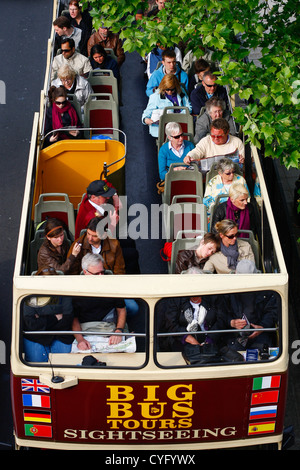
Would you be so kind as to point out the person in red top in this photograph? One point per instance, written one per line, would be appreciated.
(98, 195)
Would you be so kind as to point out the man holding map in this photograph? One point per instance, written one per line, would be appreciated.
(218, 144)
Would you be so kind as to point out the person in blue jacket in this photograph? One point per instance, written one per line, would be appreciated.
(168, 94)
(169, 66)
(174, 150)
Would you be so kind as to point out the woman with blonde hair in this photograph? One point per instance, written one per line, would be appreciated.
(237, 208)
(169, 93)
(231, 251)
(73, 83)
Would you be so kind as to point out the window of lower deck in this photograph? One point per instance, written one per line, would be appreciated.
(186, 335)
(47, 336)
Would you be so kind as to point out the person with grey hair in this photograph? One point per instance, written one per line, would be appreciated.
(73, 83)
(214, 108)
(221, 183)
(92, 264)
(174, 150)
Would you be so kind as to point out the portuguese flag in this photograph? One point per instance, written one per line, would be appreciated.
(38, 430)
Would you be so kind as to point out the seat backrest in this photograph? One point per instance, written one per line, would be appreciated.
(219, 198)
(104, 81)
(111, 53)
(186, 216)
(182, 182)
(56, 205)
(101, 113)
(254, 245)
(182, 243)
(184, 118)
(73, 99)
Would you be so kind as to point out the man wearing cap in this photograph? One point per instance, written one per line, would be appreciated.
(97, 195)
(108, 40)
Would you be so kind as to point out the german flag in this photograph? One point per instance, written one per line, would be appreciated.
(39, 416)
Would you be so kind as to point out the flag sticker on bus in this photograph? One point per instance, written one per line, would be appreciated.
(34, 385)
(271, 381)
(263, 412)
(261, 428)
(38, 401)
(38, 430)
(260, 398)
(41, 416)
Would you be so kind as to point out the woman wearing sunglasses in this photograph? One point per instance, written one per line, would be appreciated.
(174, 150)
(61, 113)
(169, 93)
(231, 251)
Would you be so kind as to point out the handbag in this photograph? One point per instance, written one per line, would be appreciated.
(166, 251)
(198, 354)
(160, 187)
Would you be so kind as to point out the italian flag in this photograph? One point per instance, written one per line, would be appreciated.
(271, 381)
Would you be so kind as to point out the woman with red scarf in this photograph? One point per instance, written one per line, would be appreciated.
(236, 208)
(61, 113)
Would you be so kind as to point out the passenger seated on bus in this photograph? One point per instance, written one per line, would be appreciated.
(92, 312)
(197, 256)
(168, 94)
(91, 260)
(237, 208)
(108, 40)
(219, 142)
(82, 20)
(160, 4)
(221, 183)
(251, 310)
(73, 83)
(206, 90)
(59, 114)
(64, 30)
(174, 150)
(187, 315)
(215, 108)
(200, 66)
(232, 249)
(99, 198)
(154, 57)
(54, 250)
(47, 314)
(169, 66)
(91, 242)
(99, 59)
(69, 56)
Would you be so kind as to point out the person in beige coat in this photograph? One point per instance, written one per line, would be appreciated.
(232, 249)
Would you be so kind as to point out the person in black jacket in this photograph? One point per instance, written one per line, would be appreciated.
(189, 315)
(205, 91)
(47, 314)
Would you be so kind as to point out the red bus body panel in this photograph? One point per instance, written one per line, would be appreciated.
(175, 412)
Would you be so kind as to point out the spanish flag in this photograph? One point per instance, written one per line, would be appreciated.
(261, 428)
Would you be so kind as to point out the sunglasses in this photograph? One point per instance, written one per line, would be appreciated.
(231, 237)
(65, 50)
(99, 273)
(171, 89)
(61, 103)
(209, 86)
(229, 172)
(177, 136)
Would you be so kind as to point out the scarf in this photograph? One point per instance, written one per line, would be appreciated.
(232, 253)
(195, 317)
(57, 112)
(241, 217)
(174, 101)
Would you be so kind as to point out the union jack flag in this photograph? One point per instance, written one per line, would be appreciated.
(34, 385)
